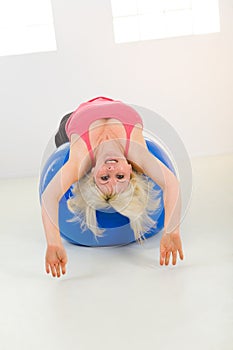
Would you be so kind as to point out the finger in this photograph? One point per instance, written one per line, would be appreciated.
(58, 270)
(162, 257)
(174, 257)
(63, 267)
(53, 270)
(167, 258)
(181, 253)
(47, 267)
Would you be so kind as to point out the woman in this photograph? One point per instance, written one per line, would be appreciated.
(107, 155)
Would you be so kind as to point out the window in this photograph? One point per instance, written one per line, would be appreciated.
(135, 20)
(26, 26)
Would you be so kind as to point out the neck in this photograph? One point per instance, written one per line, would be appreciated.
(108, 149)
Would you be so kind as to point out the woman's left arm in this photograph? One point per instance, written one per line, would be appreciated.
(159, 173)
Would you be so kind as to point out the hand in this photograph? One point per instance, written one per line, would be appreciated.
(170, 243)
(56, 260)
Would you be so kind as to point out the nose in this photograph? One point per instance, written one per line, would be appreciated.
(113, 182)
(110, 187)
(110, 167)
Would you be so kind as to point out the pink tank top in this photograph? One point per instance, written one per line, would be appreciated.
(97, 108)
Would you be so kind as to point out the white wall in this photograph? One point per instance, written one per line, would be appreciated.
(187, 80)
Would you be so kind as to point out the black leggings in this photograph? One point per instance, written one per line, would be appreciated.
(61, 136)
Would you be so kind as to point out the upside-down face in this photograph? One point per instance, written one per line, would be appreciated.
(113, 176)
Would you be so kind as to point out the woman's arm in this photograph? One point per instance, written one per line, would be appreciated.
(165, 178)
(76, 166)
(159, 173)
(71, 172)
(50, 198)
(56, 258)
(170, 185)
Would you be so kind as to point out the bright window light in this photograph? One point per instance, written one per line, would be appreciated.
(26, 26)
(135, 20)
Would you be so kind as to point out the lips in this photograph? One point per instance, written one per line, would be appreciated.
(111, 161)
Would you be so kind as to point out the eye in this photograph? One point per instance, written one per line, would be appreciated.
(120, 177)
(105, 177)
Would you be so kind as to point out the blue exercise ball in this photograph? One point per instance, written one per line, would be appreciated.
(117, 227)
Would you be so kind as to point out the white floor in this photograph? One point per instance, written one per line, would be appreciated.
(120, 298)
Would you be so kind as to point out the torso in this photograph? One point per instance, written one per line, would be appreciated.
(86, 128)
(108, 129)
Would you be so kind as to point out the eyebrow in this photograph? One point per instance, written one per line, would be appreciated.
(106, 181)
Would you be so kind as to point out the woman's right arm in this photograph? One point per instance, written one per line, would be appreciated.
(60, 183)
(77, 165)
(56, 258)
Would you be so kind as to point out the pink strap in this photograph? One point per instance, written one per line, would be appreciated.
(128, 129)
(89, 148)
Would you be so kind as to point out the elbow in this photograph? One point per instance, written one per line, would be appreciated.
(171, 180)
(48, 198)
(172, 188)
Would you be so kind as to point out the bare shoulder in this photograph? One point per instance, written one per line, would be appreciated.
(78, 149)
(79, 155)
(137, 147)
(137, 135)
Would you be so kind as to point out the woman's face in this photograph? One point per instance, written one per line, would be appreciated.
(112, 176)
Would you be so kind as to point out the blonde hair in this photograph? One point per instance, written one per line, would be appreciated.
(137, 202)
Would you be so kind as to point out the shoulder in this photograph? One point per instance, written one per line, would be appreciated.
(78, 151)
(137, 147)
(137, 136)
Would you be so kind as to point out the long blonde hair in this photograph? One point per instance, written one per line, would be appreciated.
(137, 202)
